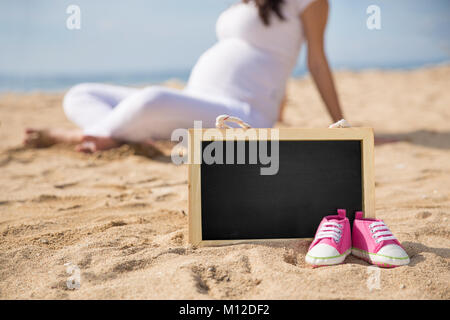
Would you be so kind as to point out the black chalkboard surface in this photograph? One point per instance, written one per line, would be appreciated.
(314, 178)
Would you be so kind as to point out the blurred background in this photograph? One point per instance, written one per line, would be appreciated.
(138, 42)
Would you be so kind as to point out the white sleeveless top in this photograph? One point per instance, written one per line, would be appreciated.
(251, 62)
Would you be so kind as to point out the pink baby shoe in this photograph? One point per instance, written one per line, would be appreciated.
(374, 242)
(332, 242)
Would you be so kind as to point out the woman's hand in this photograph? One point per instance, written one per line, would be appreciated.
(314, 19)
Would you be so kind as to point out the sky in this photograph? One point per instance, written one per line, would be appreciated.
(137, 41)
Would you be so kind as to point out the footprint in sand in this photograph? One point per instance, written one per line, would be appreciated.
(290, 257)
(224, 280)
(77, 206)
(65, 185)
(110, 186)
(423, 215)
(166, 197)
(131, 265)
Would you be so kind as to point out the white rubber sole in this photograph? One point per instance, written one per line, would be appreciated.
(318, 261)
(380, 260)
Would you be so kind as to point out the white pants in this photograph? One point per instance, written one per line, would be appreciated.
(135, 115)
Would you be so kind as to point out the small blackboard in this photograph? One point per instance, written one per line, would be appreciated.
(251, 185)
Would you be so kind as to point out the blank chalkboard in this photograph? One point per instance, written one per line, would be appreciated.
(315, 177)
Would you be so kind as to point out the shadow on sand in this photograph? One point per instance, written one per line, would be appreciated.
(426, 138)
(414, 250)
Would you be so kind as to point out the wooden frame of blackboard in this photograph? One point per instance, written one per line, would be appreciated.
(196, 136)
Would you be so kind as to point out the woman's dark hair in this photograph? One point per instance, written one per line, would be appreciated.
(266, 7)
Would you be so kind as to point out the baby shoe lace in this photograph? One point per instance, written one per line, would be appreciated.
(330, 229)
(380, 232)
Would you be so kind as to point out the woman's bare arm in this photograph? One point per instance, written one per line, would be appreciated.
(314, 19)
(282, 108)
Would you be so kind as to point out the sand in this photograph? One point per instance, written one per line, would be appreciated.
(121, 217)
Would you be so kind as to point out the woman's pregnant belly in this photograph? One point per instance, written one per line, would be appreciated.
(234, 69)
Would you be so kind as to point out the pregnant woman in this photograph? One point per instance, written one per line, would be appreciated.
(244, 75)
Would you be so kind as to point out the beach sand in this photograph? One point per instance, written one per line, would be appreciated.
(121, 217)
